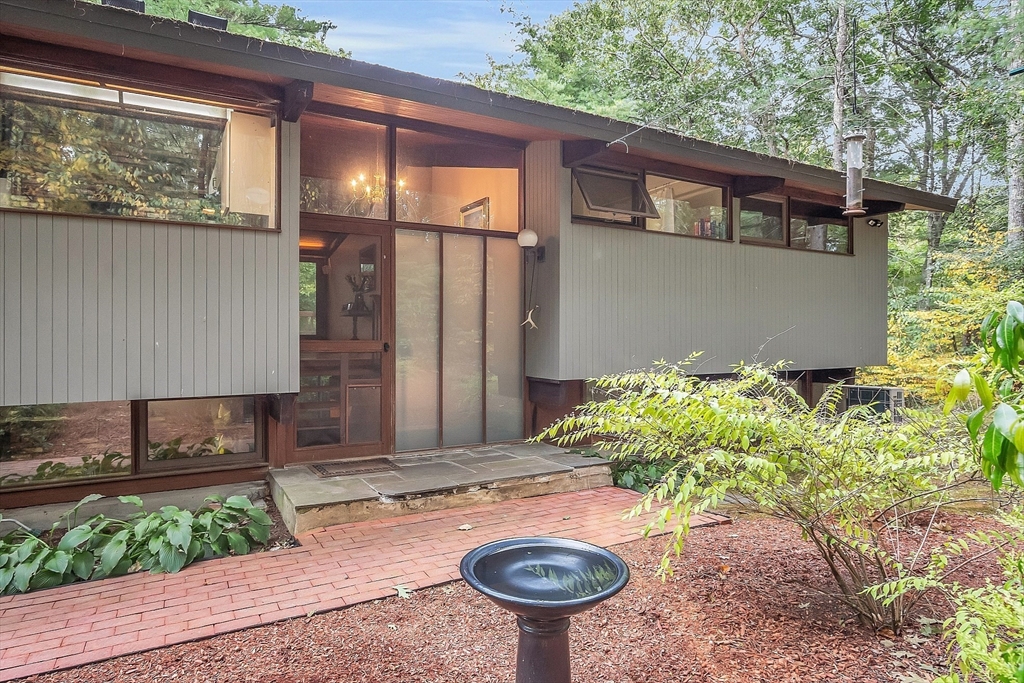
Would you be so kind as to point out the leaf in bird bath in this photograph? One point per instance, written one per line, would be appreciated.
(465, 527)
(403, 591)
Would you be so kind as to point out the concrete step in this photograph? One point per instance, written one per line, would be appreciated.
(437, 480)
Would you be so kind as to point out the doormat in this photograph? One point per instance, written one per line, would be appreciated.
(342, 468)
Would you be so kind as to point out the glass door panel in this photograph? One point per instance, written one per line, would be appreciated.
(417, 339)
(504, 341)
(462, 339)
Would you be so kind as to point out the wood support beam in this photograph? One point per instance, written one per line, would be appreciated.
(577, 152)
(297, 96)
(875, 207)
(746, 185)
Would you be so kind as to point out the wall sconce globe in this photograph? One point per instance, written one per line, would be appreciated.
(527, 238)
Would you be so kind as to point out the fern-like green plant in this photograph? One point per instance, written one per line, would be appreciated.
(853, 482)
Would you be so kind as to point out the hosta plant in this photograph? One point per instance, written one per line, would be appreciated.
(163, 541)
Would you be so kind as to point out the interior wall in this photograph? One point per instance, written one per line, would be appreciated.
(461, 186)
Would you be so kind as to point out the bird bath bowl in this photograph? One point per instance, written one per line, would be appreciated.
(544, 581)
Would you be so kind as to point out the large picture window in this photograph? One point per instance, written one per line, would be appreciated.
(344, 167)
(461, 183)
(86, 149)
(44, 444)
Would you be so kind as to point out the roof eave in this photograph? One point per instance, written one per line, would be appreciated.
(178, 39)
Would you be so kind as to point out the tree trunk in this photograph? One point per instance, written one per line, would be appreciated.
(839, 87)
(1015, 154)
(1015, 161)
(936, 224)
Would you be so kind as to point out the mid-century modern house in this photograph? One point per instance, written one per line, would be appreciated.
(221, 257)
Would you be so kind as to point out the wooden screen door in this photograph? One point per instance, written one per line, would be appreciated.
(346, 323)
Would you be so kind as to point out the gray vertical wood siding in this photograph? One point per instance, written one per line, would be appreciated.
(611, 299)
(629, 298)
(99, 309)
(547, 183)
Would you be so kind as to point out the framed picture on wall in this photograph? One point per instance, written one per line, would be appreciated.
(476, 214)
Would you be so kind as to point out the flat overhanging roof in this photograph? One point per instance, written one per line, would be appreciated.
(379, 89)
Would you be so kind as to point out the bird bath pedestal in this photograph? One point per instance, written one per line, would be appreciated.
(544, 581)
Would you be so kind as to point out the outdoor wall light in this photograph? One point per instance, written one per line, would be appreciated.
(528, 239)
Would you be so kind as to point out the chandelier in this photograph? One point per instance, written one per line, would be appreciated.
(374, 191)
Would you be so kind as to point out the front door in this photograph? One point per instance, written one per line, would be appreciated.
(345, 388)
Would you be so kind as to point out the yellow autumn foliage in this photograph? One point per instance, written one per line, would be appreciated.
(928, 345)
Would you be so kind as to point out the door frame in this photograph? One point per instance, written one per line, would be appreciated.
(384, 345)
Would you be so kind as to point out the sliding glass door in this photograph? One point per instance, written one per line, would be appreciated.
(458, 344)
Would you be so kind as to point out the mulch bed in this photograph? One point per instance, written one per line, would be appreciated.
(745, 605)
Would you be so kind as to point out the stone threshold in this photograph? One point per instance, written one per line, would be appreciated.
(433, 480)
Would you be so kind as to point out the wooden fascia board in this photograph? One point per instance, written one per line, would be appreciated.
(73, 62)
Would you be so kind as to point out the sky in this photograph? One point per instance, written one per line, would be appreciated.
(440, 38)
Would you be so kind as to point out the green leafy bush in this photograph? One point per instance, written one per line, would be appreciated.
(997, 374)
(162, 541)
(862, 489)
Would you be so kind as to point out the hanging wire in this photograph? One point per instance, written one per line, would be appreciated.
(853, 45)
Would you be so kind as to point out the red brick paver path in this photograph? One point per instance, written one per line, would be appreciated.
(334, 567)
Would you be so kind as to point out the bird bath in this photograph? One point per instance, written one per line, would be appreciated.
(544, 581)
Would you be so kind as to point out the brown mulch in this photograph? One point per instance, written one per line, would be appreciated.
(745, 605)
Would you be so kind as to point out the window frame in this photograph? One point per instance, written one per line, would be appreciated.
(635, 218)
(101, 77)
(726, 206)
(783, 201)
(394, 123)
(140, 441)
(140, 469)
(849, 234)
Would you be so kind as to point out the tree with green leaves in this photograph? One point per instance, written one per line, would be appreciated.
(277, 23)
(781, 77)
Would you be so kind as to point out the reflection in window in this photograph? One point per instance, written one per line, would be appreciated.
(83, 149)
(687, 208)
(610, 195)
(818, 228)
(761, 219)
(448, 181)
(343, 167)
(202, 427)
(47, 443)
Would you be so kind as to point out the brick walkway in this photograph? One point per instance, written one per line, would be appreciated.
(343, 565)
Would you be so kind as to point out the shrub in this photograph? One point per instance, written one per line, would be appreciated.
(856, 484)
